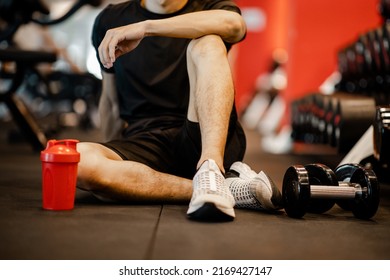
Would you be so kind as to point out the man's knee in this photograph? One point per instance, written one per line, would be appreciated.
(87, 171)
(206, 47)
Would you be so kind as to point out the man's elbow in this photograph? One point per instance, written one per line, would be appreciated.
(236, 28)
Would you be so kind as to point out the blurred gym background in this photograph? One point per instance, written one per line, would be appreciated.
(297, 54)
(312, 85)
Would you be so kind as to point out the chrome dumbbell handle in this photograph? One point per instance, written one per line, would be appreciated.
(344, 190)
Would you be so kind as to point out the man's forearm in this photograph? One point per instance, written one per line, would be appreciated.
(227, 24)
(110, 123)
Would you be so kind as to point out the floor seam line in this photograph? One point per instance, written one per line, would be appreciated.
(150, 249)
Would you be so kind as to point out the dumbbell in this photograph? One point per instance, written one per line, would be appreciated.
(354, 115)
(382, 135)
(344, 173)
(316, 188)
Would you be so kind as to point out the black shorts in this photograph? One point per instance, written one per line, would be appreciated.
(174, 147)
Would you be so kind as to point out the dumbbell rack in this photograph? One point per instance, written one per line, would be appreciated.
(338, 120)
(361, 99)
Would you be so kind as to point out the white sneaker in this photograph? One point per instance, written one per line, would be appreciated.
(211, 198)
(253, 190)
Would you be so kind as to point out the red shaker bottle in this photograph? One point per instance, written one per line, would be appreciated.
(59, 174)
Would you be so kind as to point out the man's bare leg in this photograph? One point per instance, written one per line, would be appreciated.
(104, 173)
(211, 96)
(211, 101)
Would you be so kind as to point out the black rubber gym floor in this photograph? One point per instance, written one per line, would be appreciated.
(97, 230)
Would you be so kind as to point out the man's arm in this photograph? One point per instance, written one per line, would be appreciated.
(229, 25)
(110, 123)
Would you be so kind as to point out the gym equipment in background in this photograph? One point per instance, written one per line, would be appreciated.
(16, 63)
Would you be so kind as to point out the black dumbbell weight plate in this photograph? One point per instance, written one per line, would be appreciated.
(296, 191)
(343, 174)
(320, 174)
(366, 206)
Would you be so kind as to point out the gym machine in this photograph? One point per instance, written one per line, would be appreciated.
(13, 14)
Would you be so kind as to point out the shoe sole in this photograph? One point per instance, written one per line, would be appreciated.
(208, 212)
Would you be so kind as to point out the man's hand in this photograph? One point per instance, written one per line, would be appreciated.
(119, 41)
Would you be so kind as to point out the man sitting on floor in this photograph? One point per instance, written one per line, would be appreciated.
(165, 70)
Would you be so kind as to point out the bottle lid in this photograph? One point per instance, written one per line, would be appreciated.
(61, 151)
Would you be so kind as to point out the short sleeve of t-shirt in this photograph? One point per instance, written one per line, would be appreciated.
(224, 5)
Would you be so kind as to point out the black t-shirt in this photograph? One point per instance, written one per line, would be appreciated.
(151, 80)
